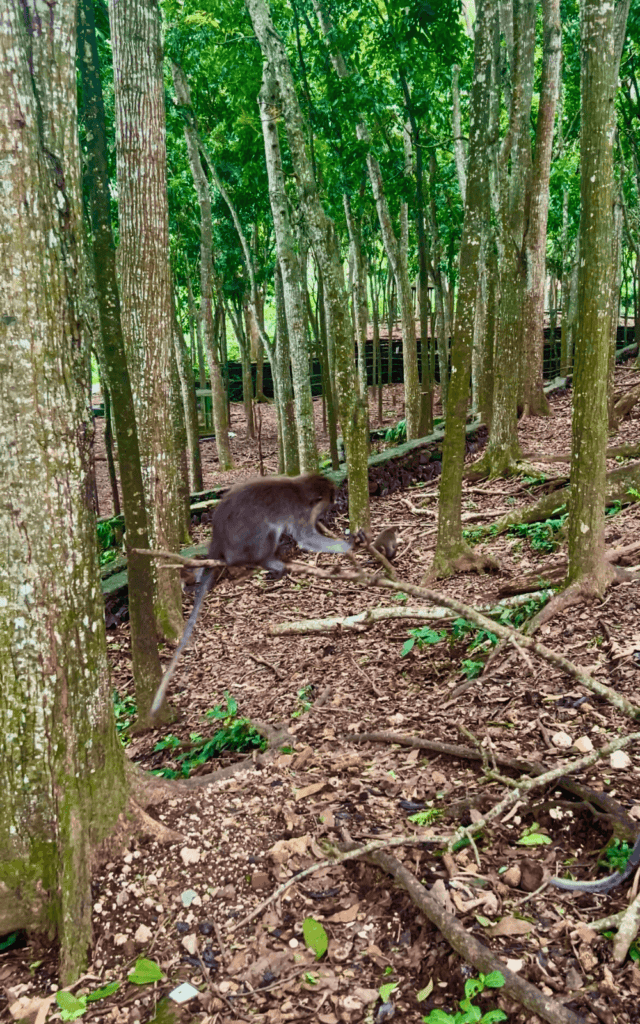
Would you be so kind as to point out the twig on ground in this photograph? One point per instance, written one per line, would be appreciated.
(469, 948)
(339, 858)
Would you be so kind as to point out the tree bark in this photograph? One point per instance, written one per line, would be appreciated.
(451, 551)
(145, 276)
(289, 261)
(218, 397)
(587, 565)
(281, 369)
(62, 782)
(534, 399)
(188, 395)
(321, 232)
(503, 450)
(392, 247)
(146, 667)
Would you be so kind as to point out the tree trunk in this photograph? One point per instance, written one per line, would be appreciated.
(534, 399)
(108, 444)
(218, 397)
(188, 394)
(146, 667)
(392, 248)
(62, 782)
(598, 80)
(451, 550)
(145, 276)
(244, 345)
(328, 390)
(321, 232)
(360, 310)
(194, 324)
(614, 311)
(284, 391)
(289, 261)
(503, 450)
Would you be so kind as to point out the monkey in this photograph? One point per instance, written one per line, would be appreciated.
(387, 543)
(246, 528)
(603, 884)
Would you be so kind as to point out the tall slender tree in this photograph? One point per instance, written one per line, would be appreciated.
(144, 649)
(145, 277)
(452, 552)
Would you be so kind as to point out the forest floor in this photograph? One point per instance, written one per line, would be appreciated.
(177, 903)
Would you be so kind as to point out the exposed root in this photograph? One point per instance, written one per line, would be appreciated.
(585, 589)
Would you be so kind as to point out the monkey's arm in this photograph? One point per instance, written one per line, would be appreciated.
(205, 583)
(603, 884)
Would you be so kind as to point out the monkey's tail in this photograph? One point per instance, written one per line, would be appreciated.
(201, 593)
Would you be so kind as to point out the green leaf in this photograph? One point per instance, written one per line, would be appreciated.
(439, 1017)
(406, 647)
(494, 1015)
(70, 1005)
(386, 990)
(494, 980)
(102, 993)
(534, 839)
(484, 921)
(315, 936)
(145, 972)
(424, 992)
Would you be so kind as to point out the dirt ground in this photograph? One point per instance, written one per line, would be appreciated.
(181, 904)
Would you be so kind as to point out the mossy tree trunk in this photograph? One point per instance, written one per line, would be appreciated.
(281, 370)
(503, 450)
(322, 235)
(62, 782)
(451, 550)
(145, 277)
(147, 670)
(587, 566)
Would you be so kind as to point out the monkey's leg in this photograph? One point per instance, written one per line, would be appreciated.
(205, 583)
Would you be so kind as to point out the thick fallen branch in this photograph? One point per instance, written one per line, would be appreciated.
(470, 948)
(466, 611)
(361, 620)
(477, 618)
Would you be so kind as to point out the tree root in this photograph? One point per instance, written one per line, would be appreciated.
(582, 590)
(468, 947)
(624, 405)
(555, 571)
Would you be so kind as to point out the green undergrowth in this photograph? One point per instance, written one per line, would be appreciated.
(235, 735)
(477, 642)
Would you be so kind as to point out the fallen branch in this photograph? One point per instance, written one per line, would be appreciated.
(501, 630)
(478, 619)
(470, 948)
(361, 620)
(330, 862)
(556, 570)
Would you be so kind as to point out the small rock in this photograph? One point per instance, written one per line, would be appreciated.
(189, 855)
(190, 896)
(119, 939)
(583, 744)
(512, 876)
(620, 759)
(190, 943)
(143, 935)
(561, 740)
(205, 928)
(259, 880)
